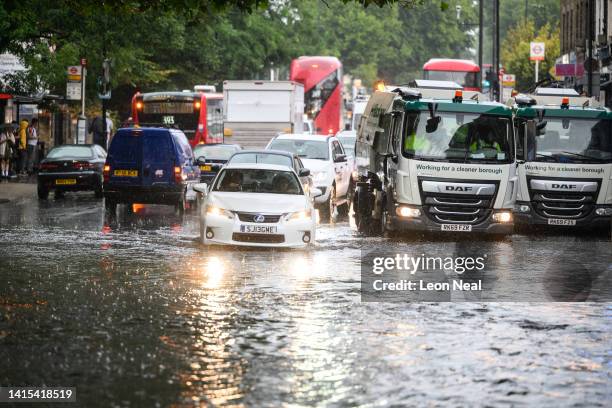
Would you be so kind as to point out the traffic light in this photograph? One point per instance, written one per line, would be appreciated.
(103, 82)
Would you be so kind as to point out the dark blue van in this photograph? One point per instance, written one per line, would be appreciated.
(149, 166)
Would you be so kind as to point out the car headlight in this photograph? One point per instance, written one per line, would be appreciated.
(298, 215)
(213, 210)
(503, 216)
(320, 177)
(603, 211)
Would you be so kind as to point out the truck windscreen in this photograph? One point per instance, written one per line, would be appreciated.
(572, 140)
(459, 137)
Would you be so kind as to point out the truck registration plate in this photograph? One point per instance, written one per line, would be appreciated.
(560, 221)
(258, 229)
(456, 227)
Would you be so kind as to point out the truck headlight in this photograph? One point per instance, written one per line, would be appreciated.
(603, 211)
(213, 210)
(503, 216)
(408, 212)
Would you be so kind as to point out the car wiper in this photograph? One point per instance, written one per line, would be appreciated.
(584, 156)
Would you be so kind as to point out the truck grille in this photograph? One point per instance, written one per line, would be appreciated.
(457, 208)
(250, 217)
(258, 238)
(561, 204)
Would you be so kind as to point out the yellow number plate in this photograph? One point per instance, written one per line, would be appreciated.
(205, 168)
(65, 181)
(126, 173)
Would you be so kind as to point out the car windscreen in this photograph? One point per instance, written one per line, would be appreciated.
(262, 158)
(214, 152)
(458, 137)
(258, 181)
(468, 79)
(79, 152)
(307, 149)
(349, 144)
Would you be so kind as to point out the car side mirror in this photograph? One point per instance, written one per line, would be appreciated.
(201, 160)
(341, 158)
(315, 192)
(432, 124)
(201, 188)
(304, 172)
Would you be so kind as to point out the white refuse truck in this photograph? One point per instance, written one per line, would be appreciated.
(565, 171)
(430, 160)
(256, 111)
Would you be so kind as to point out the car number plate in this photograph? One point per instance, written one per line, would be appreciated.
(560, 221)
(456, 227)
(206, 168)
(65, 181)
(126, 173)
(258, 229)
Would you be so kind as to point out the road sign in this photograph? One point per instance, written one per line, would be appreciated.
(73, 91)
(509, 80)
(536, 51)
(83, 62)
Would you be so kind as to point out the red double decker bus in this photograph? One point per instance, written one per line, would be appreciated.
(322, 80)
(463, 72)
(199, 115)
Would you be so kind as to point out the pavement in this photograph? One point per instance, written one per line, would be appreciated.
(17, 190)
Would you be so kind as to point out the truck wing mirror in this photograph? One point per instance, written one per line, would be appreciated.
(529, 142)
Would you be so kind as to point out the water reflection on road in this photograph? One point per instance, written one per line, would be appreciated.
(137, 311)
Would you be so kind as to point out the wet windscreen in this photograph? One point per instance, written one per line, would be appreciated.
(214, 152)
(469, 79)
(126, 146)
(79, 152)
(307, 149)
(349, 144)
(258, 181)
(265, 158)
(316, 98)
(458, 137)
(573, 140)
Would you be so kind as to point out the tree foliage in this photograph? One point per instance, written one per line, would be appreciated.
(175, 44)
(515, 52)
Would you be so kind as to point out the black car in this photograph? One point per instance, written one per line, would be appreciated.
(211, 157)
(71, 168)
(279, 157)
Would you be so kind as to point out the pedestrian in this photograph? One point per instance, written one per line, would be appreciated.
(7, 141)
(109, 130)
(32, 139)
(96, 128)
(23, 145)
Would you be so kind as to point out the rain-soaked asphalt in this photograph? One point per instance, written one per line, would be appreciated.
(135, 312)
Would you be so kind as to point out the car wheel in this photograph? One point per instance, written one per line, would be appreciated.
(43, 192)
(98, 191)
(110, 206)
(179, 207)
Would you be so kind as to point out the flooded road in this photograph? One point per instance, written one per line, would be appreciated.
(137, 312)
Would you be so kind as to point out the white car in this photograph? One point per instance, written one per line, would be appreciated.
(329, 165)
(257, 205)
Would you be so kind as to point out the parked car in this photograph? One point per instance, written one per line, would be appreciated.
(211, 157)
(257, 205)
(71, 168)
(149, 166)
(282, 158)
(327, 161)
